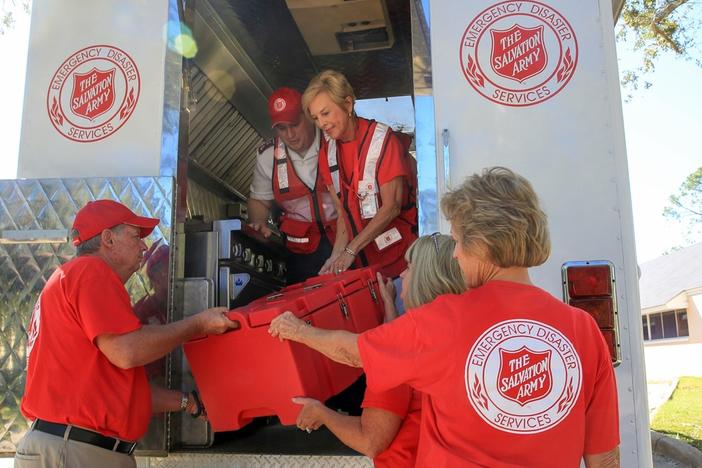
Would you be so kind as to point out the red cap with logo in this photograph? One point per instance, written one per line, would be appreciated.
(284, 106)
(99, 215)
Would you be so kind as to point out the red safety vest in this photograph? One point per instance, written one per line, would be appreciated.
(387, 251)
(306, 212)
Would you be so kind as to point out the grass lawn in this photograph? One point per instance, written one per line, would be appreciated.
(681, 416)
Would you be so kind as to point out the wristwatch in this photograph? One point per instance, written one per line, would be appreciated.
(184, 400)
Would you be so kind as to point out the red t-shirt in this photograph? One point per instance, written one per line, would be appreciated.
(69, 380)
(406, 403)
(511, 377)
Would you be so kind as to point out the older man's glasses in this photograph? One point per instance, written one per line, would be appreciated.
(435, 238)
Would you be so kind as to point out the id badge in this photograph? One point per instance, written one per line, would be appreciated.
(388, 238)
(368, 198)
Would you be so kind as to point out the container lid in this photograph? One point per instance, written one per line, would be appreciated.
(305, 298)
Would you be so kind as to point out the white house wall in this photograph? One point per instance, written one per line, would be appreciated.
(677, 357)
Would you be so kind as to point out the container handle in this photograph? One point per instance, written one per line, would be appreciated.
(237, 316)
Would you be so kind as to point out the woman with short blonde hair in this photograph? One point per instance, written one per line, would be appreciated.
(334, 84)
(509, 374)
(514, 234)
(368, 166)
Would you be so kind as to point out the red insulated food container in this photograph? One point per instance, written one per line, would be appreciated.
(246, 373)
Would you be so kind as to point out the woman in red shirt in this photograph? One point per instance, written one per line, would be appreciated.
(371, 172)
(510, 376)
(388, 429)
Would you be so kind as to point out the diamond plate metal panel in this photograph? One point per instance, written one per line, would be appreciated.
(183, 460)
(49, 204)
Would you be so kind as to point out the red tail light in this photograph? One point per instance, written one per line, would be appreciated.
(590, 286)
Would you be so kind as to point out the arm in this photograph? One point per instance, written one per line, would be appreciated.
(259, 211)
(163, 399)
(338, 345)
(391, 197)
(370, 434)
(341, 239)
(152, 342)
(261, 194)
(603, 460)
(388, 294)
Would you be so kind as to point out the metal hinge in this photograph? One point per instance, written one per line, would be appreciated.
(342, 305)
(372, 291)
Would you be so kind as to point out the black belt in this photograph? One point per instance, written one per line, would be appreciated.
(85, 436)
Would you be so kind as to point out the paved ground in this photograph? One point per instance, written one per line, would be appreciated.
(660, 461)
(658, 393)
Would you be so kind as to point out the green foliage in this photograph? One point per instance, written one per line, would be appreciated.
(656, 27)
(681, 416)
(9, 9)
(686, 204)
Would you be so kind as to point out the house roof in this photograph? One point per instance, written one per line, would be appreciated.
(666, 277)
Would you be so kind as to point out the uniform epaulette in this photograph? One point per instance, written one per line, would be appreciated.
(265, 145)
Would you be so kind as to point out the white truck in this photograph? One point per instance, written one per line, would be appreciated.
(162, 104)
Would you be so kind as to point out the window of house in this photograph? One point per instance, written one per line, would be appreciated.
(669, 324)
(682, 323)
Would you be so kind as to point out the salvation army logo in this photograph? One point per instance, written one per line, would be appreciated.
(523, 376)
(93, 93)
(279, 104)
(505, 56)
(518, 53)
(520, 385)
(100, 94)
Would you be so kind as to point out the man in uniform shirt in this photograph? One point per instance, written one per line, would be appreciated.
(286, 176)
(87, 393)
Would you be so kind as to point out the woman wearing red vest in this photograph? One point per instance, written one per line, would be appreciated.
(371, 171)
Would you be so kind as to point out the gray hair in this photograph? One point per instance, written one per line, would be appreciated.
(434, 270)
(91, 245)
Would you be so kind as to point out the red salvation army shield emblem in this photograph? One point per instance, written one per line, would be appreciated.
(93, 93)
(524, 375)
(518, 53)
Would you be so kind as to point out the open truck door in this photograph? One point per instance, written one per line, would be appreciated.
(163, 105)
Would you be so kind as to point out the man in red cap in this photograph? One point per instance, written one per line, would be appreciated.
(286, 176)
(86, 392)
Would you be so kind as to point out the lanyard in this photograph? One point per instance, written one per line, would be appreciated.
(356, 163)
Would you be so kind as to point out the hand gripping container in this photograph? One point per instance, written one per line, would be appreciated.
(246, 373)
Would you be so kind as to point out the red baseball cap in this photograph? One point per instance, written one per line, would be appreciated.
(284, 106)
(99, 215)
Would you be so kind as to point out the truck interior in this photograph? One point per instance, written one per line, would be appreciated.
(238, 52)
(245, 50)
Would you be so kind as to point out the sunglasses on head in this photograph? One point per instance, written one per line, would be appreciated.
(435, 238)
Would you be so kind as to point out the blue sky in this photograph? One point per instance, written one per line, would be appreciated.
(662, 127)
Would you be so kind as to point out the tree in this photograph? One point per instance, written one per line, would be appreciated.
(9, 9)
(686, 205)
(658, 27)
